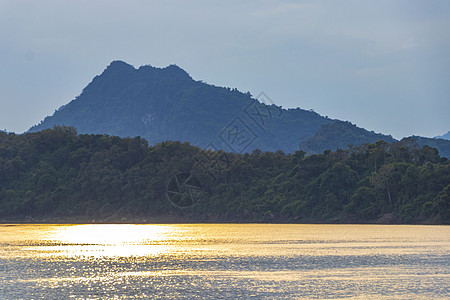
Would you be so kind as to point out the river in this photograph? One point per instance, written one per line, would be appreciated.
(124, 261)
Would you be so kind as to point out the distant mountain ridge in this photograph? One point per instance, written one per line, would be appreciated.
(442, 145)
(161, 104)
(444, 136)
(340, 134)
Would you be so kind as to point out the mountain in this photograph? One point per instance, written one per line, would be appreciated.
(341, 135)
(161, 104)
(444, 136)
(442, 145)
(167, 104)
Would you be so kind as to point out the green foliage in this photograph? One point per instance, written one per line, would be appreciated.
(59, 174)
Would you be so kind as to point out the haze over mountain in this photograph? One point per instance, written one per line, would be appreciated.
(161, 104)
(444, 136)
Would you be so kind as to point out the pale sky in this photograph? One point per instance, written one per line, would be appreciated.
(383, 65)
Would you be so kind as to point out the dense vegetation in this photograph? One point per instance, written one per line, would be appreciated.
(58, 174)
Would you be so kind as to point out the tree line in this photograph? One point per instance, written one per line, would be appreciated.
(57, 174)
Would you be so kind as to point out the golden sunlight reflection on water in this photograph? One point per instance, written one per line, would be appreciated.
(112, 240)
(108, 240)
(109, 234)
(224, 261)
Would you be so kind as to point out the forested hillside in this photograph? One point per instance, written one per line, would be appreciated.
(59, 175)
(161, 104)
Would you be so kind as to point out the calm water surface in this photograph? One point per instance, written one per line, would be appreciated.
(224, 261)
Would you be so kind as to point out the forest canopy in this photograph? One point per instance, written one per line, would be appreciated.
(57, 174)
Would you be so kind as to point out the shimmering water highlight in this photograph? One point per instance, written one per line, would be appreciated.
(224, 261)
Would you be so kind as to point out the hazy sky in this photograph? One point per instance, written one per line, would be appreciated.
(384, 65)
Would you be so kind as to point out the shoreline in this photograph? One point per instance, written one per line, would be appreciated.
(172, 222)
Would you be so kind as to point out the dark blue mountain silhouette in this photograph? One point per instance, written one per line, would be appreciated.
(162, 104)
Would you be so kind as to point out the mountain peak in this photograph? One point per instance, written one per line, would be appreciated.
(444, 136)
(119, 66)
(172, 71)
